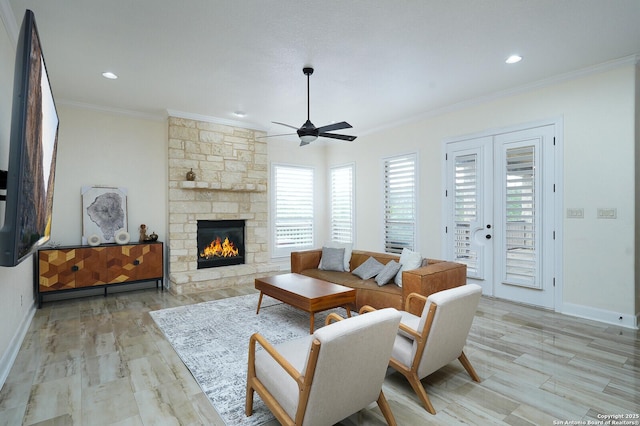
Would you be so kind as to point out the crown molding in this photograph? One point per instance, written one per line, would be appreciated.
(9, 21)
(215, 120)
(111, 110)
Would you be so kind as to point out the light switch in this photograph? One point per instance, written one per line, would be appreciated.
(575, 213)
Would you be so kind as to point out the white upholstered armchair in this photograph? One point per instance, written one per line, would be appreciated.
(324, 378)
(429, 342)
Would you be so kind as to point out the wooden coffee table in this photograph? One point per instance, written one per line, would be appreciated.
(309, 294)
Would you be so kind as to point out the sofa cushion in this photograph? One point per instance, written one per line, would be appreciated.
(332, 259)
(348, 249)
(409, 260)
(369, 269)
(388, 272)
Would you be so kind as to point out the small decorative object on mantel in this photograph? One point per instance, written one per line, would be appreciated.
(152, 237)
(191, 176)
(143, 233)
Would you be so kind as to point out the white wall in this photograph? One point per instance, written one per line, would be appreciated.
(598, 115)
(16, 284)
(99, 148)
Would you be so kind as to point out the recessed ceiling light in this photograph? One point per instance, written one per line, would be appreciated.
(109, 75)
(513, 59)
(240, 114)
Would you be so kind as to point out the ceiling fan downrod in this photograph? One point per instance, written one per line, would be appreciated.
(308, 71)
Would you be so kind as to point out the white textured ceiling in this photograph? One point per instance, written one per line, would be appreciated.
(377, 63)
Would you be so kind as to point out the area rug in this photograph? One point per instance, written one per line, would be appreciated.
(212, 339)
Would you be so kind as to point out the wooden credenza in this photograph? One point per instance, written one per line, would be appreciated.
(74, 268)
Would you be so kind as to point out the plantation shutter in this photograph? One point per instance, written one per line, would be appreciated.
(342, 204)
(293, 208)
(400, 203)
(466, 211)
(521, 254)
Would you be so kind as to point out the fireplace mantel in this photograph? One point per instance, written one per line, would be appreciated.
(221, 186)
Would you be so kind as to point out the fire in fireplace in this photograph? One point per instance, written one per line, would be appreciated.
(220, 243)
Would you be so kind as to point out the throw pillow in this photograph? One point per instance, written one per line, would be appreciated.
(332, 259)
(369, 269)
(409, 260)
(348, 248)
(388, 272)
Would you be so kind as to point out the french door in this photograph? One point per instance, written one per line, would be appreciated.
(500, 211)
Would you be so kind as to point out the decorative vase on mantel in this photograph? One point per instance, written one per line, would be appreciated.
(191, 176)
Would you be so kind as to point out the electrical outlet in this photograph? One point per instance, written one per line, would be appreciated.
(607, 213)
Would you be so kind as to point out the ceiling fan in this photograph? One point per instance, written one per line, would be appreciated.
(308, 132)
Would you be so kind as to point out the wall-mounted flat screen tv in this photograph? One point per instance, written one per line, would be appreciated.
(32, 152)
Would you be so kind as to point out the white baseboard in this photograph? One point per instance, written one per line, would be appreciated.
(601, 315)
(9, 357)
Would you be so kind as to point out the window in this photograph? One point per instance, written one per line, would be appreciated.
(400, 203)
(342, 203)
(293, 208)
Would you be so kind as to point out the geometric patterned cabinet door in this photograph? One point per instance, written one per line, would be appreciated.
(81, 267)
(72, 268)
(133, 262)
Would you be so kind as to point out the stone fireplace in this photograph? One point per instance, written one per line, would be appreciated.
(230, 185)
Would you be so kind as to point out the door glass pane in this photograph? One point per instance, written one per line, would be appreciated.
(521, 246)
(466, 211)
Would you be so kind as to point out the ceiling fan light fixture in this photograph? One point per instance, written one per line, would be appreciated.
(305, 139)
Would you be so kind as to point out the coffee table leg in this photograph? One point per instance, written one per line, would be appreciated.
(348, 311)
(313, 321)
(259, 303)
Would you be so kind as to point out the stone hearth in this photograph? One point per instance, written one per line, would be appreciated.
(231, 183)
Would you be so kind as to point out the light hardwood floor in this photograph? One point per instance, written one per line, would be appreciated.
(99, 361)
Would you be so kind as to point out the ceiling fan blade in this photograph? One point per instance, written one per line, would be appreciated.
(335, 126)
(286, 125)
(334, 136)
(272, 136)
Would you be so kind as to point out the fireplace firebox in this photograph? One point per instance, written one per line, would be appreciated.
(220, 243)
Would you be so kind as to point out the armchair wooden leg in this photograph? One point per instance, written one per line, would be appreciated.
(248, 405)
(467, 366)
(414, 381)
(422, 394)
(386, 410)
